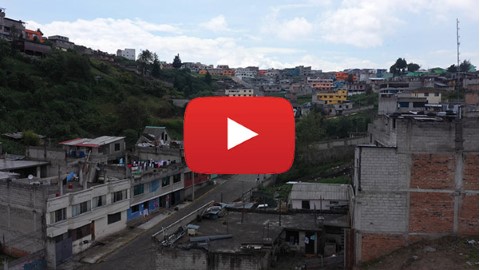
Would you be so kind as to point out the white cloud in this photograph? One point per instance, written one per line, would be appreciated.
(367, 23)
(216, 24)
(361, 24)
(288, 29)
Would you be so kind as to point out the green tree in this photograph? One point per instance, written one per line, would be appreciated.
(177, 63)
(144, 60)
(208, 78)
(452, 68)
(30, 138)
(465, 66)
(155, 66)
(412, 67)
(399, 66)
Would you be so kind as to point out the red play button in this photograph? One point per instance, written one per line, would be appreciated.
(239, 135)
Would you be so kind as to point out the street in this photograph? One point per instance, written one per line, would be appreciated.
(140, 253)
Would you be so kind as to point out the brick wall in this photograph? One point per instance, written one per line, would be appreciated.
(470, 174)
(424, 185)
(468, 215)
(433, 171)
(375, 245)
(431, 212)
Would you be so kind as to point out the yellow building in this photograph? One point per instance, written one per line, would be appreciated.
(335, 97)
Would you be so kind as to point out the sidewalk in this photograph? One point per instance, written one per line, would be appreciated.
(111, 243)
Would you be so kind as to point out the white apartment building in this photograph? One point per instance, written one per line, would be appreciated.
(76, 219)
(246, 72)
(127, 53)
(239, 93)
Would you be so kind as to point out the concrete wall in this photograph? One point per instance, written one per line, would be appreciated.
(22, 212)
(195, 259)
(318, 204)
(175, 258)
(158, 154)
(426, 186)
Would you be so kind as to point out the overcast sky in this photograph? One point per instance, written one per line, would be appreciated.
(325, 34)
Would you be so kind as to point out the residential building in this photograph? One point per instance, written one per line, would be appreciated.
(271, 88)
(10, 29)
(418, 178)
(252, 240)
(248, 72)
(34, 35)
(78, 218)
(31, 48)
(215, 71)
(127, 53)
(356, 88)
(320, 84)
(61, 42)
(104, 148)
(239, 92)
(318, 196)
(42, 215)
(228, 72)
(333, 97)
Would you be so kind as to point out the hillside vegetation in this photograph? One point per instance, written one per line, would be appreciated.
(66, 95)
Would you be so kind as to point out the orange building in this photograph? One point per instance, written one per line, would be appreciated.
(202, 72)
(262, 72)
(341, 76)
(34, 35)
(228, 72)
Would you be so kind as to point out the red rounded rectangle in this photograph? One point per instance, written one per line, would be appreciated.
(261, 131)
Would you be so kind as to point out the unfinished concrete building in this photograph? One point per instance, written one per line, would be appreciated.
(418, 178)
(248, 239)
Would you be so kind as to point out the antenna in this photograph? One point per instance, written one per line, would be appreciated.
(457, 84)
(458, 44)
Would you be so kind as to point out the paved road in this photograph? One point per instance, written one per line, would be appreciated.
(140, 253)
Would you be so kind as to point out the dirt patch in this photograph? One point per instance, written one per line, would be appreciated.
(441, 254)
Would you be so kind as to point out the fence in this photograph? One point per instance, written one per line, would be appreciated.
(181, 222)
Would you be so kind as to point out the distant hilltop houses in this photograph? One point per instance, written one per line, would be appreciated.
(306, 88)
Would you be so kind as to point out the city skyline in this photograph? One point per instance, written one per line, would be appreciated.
(326, 35)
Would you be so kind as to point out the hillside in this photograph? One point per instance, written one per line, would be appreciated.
(66, 95)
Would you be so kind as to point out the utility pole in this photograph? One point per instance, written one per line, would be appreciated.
(457, 84)
(193, 186)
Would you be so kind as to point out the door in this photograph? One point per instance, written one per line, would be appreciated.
(63, 250)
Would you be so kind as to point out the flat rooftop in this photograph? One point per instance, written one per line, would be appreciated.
(256, 228)
(8, 164)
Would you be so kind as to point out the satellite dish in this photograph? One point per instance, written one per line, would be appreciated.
(30, 177)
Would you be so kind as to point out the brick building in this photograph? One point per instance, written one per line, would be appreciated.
(417, 179)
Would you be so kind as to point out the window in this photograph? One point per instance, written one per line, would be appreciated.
(425, 94)
(81, 232)
(138, 189)
(99, 201)
(117, 147)
(437, 94)
(135, 208)
(165, 181)
(59, 215)
(114, 218)
(80, 208)
(119, 195)
(177, 178)
(154, 185)
(305, 204)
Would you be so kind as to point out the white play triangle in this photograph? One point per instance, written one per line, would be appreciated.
(237, 134)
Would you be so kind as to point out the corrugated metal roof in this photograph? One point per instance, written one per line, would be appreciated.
(309, 191)
(84, 142)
